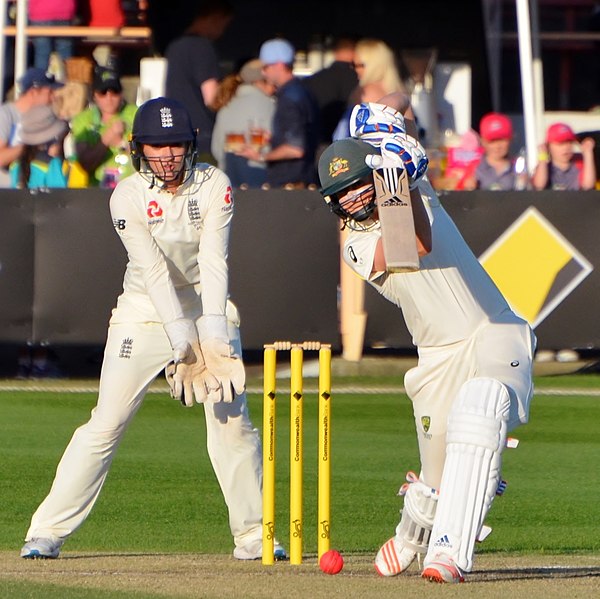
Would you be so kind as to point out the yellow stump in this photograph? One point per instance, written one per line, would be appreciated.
(296, 458)
(324, 471)
(269, 397)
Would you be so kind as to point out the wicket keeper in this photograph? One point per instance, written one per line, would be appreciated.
(173, 216)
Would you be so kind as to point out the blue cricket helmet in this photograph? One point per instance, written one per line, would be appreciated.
(162, 121)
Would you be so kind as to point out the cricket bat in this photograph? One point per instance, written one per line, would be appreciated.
(397, 224)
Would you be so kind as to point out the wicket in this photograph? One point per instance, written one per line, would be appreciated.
(296, 447)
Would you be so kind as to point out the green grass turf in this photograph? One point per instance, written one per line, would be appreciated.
(32, 590)
(161, 495)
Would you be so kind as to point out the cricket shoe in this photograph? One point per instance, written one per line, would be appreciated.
(393, 558)
(41, 548)
(253, 550)
(442, 569)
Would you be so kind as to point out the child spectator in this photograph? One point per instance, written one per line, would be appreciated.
(559, 167)
(37, 89)
(461, 162)
(41, 165)
(496, 169)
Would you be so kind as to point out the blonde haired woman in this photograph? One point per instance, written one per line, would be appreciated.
(376, 69)
(378, 77)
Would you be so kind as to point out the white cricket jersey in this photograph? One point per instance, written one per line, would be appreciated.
(176, 245)
(451, 294)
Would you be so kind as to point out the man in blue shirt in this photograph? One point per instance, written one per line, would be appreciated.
(295, 127)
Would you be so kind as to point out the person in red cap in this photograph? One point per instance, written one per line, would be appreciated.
(559, 167)
(497, 170)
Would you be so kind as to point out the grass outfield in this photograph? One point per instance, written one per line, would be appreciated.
(161, 496)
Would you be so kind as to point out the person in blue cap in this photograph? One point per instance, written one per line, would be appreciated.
(35, 88)
(295, 127)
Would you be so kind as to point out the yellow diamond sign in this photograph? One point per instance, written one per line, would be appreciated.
(534, 266)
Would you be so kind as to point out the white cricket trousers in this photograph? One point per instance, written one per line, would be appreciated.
(501, 350)
(135, 354)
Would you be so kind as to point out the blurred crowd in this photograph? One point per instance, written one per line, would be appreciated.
(69, 121)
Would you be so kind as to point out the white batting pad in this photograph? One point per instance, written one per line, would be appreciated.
(476, 437)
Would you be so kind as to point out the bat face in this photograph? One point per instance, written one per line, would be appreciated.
(397, 222)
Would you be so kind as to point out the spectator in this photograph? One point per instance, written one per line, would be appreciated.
(496, 169)
(193, 71)
(41, 164)
(558, 167)
(291, 159)
(462, 161)
(37, 89)
(52, 13)
(378, 76)
(225, 91)
(101, 131)
(333, 85)
(376, 69)
(248, 114)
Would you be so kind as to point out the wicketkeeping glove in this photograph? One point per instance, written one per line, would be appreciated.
(372, 122)
(226, 366)
(400, 151)
(189, 378)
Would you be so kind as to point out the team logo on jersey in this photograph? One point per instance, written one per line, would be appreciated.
(194, 213)
(352, 254)
(426, 423)
(154, 210)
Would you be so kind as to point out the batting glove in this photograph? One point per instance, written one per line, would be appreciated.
(188, 378)
(400, 151)
(372, 122)
(226, 366)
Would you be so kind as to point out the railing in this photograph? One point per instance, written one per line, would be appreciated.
(83, 32)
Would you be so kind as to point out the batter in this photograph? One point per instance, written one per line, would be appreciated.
(473, 380)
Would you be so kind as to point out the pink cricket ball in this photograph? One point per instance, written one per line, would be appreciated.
(331, 562)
